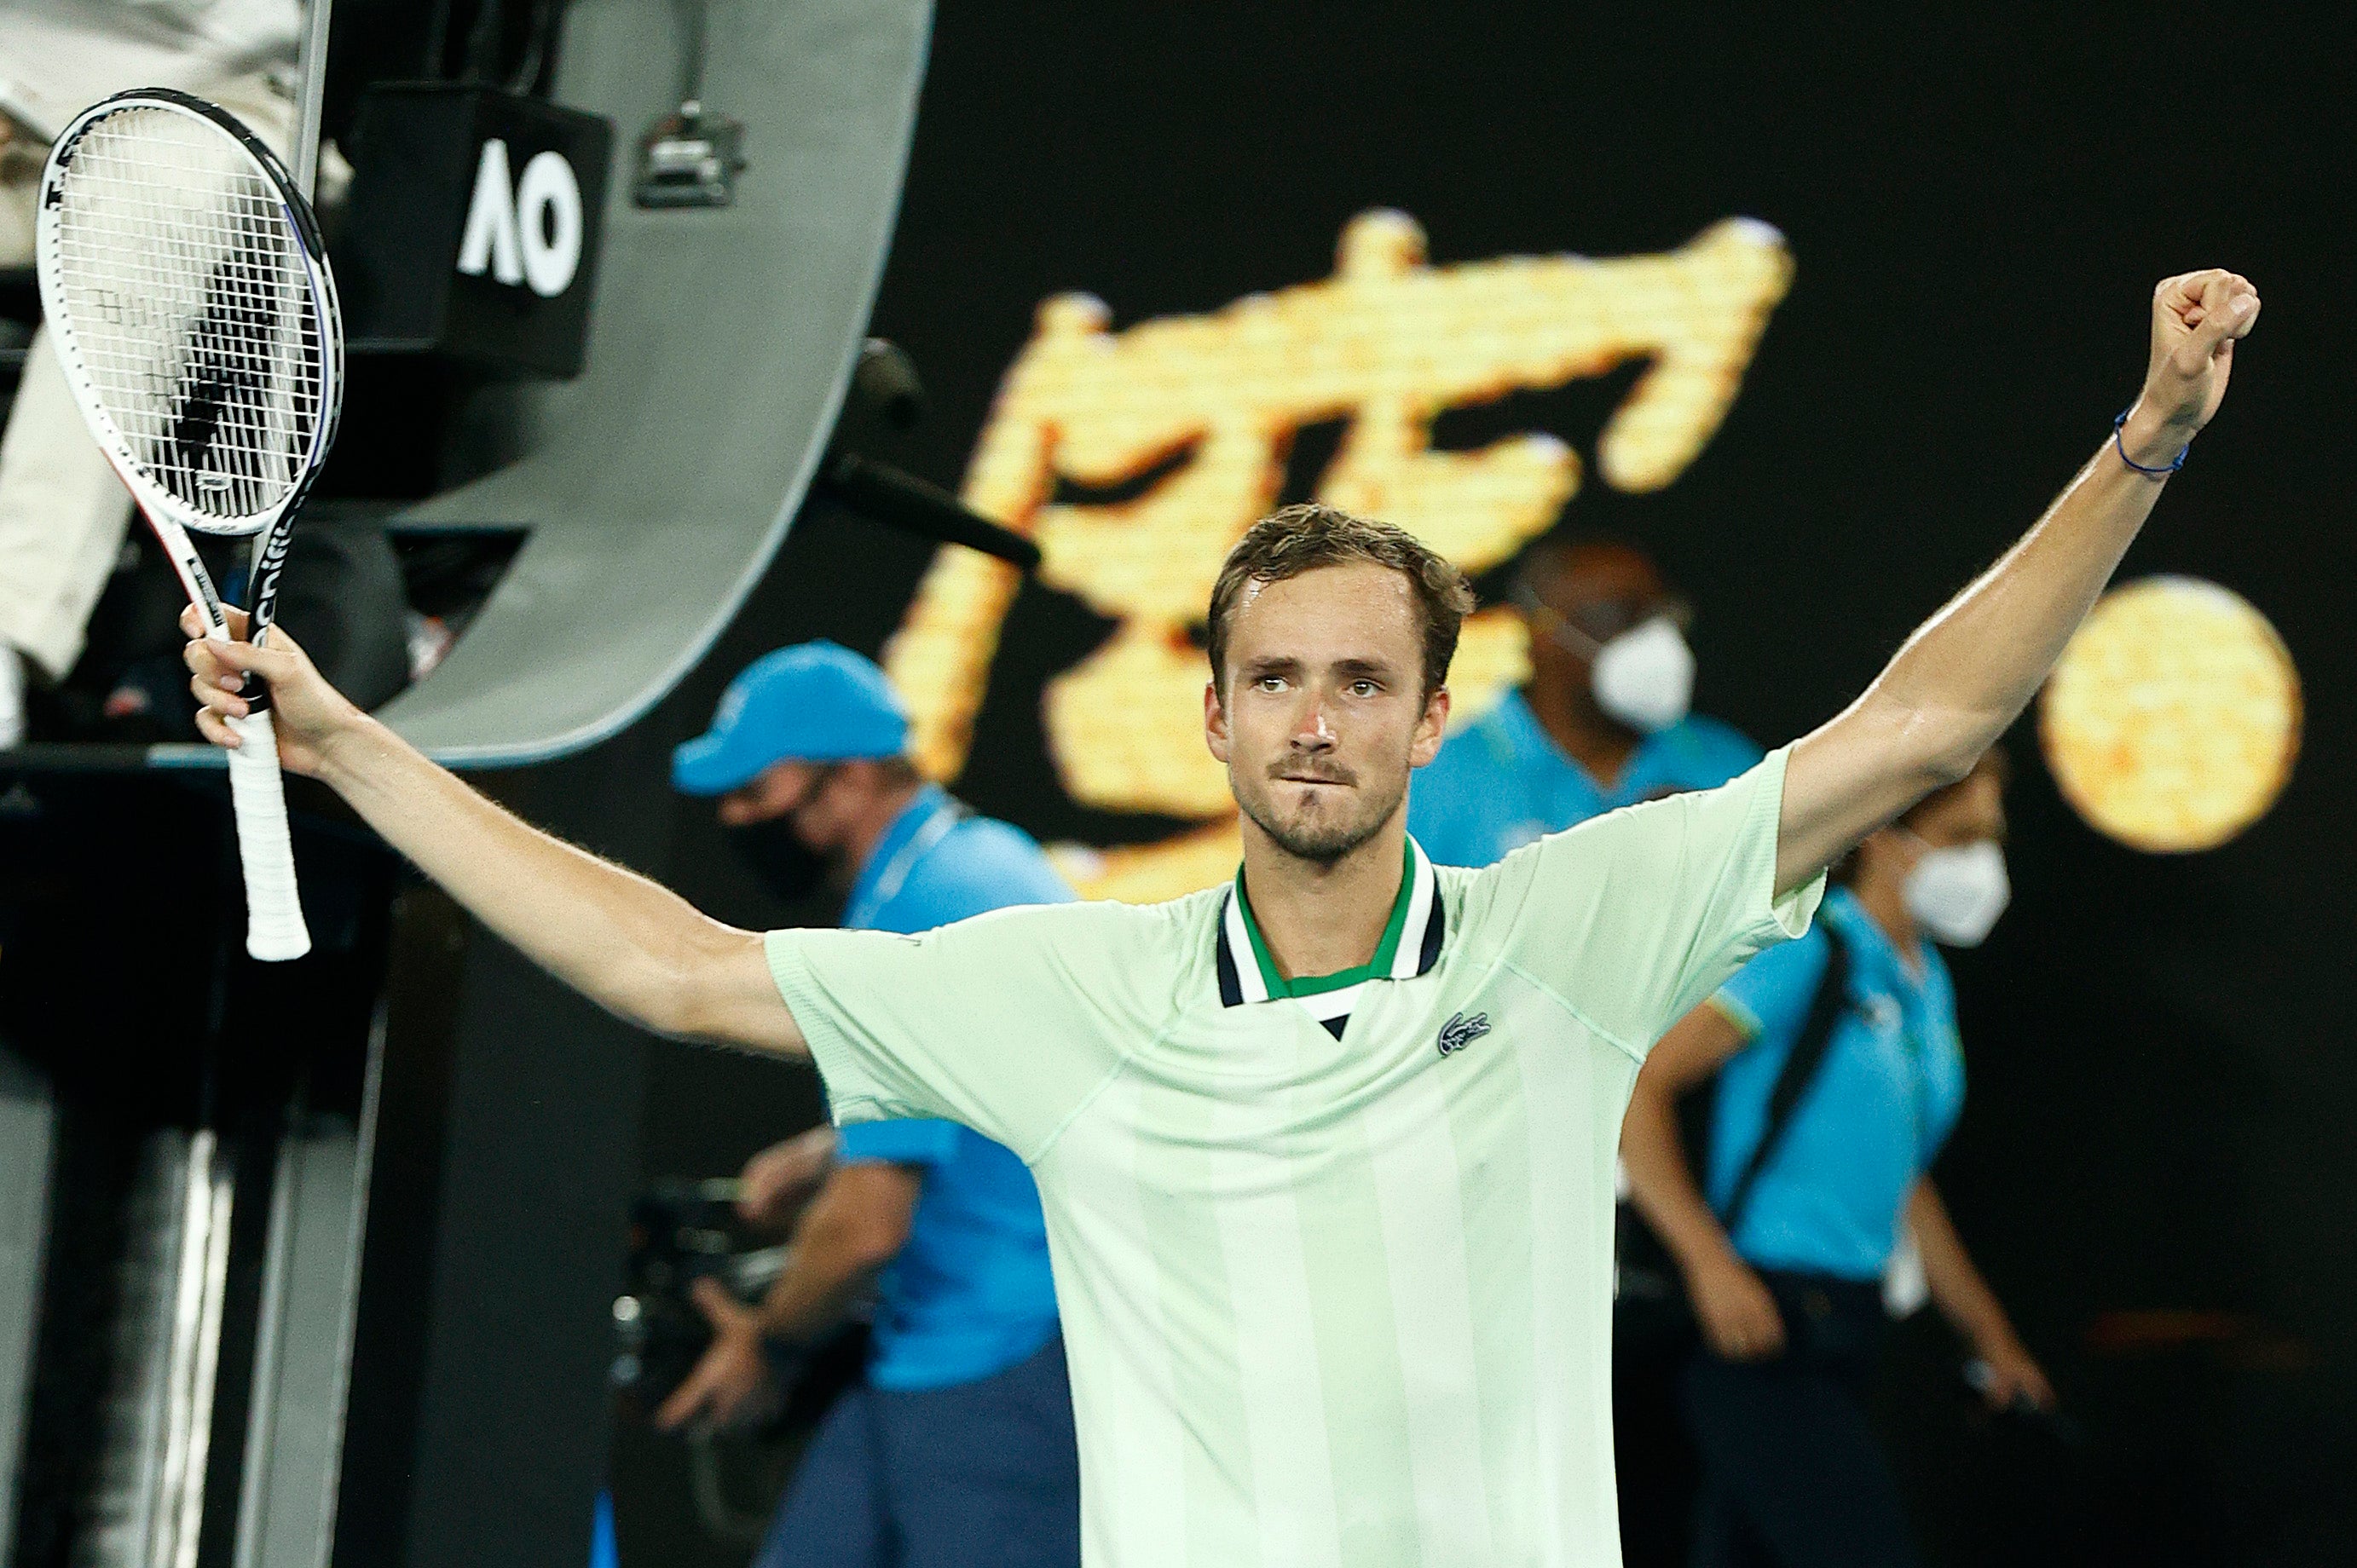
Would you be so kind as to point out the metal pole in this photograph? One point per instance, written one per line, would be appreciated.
(312, 108)
(691, 22)
(269, 1332)
(27, 1126)
(315, 91)
(302, 1343)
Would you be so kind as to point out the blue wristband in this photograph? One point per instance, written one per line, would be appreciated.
(2139, 468)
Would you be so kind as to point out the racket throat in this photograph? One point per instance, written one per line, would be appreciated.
(269, 562)
(181, 551)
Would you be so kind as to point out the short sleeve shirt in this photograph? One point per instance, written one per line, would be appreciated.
(1501, 781)
(971, 1292)
(1326, 1300)
(1882, 1102)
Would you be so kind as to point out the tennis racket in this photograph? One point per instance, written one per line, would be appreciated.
(187, 295)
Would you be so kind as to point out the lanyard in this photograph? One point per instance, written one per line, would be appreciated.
(936, 828)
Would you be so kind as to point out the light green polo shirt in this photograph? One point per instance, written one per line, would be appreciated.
(1325, 1302)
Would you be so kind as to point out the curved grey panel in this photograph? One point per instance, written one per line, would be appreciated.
(658, 483)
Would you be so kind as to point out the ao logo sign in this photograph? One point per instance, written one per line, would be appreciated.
(526, 231)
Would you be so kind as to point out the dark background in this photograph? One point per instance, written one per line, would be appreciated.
(2152, 1166)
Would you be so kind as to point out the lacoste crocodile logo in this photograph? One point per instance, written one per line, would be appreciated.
(1460, 1031)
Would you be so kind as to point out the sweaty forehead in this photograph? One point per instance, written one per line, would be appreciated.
(1356, 611)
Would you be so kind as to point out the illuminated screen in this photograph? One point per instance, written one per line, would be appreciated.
(2171, 727)
(1385, 345)
(2173, 718)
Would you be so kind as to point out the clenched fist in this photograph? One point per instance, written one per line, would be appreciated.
(2196, 319)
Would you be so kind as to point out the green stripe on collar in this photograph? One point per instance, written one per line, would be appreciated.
(1376, 968)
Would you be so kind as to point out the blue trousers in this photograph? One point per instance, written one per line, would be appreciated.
(985, 1473)
(1792, 1476)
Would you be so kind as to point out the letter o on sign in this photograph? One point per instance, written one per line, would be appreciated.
(548, 210)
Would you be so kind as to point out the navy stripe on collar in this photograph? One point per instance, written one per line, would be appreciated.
(1239, 972)
(1434, 930)
(1232, 990)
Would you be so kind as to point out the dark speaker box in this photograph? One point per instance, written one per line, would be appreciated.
(473, 225)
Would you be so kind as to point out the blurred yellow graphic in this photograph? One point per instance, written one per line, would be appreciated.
(2173, 719)
(1204, 409)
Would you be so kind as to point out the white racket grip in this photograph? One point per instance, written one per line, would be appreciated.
(273, 909)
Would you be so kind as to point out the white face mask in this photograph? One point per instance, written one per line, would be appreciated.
(1957, 893)
(1644, 677)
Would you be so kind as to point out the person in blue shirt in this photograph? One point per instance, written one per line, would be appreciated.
(1789, 1296)
(958, 1446)
(1601, 722)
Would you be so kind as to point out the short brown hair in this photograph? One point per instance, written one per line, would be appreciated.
(1299, 539)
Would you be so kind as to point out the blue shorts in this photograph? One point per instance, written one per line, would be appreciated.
(980, 1473)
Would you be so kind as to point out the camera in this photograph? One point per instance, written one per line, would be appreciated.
(683, 1229)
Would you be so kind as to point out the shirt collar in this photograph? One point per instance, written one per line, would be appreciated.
(912, 833)
(1410, 945)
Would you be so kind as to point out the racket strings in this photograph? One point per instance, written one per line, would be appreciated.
(190, 304)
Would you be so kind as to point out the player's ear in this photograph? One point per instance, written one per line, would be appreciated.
(1430, 729)
(1215, 721)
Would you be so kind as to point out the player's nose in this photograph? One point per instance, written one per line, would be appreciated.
(1313, 731)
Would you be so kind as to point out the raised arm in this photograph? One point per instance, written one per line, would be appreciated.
(633, 946)
(1970, 670)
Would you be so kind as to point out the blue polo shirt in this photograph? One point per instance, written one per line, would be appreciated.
(969, 1293)
(1884, 1098)
(1501, 781)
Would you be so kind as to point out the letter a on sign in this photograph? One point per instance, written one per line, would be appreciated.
(492, 236)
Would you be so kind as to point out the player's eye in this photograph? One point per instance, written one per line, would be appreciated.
(1269, 684)
(1362, 687)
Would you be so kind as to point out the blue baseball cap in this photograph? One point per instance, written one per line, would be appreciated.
(816, 702)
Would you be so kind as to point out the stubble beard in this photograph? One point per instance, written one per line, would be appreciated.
(1322, 841)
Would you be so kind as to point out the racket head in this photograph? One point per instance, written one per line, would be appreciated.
(190, 300)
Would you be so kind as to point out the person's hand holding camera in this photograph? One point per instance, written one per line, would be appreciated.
(731, 1385)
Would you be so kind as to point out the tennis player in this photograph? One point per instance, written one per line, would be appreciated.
(1325, 1154)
